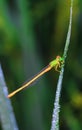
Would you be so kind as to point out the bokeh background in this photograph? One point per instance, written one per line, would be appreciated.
(32, 33)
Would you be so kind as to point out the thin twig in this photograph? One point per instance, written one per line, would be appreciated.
(55, 116)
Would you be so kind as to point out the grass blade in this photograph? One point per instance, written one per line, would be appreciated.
(6, 113)
(55, 115)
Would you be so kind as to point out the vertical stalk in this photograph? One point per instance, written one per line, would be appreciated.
(55, 116)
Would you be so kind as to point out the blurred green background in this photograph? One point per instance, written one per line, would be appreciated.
(32, 33)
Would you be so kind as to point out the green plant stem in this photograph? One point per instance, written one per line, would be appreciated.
(55, 116)
(6, 113)
(69, 32)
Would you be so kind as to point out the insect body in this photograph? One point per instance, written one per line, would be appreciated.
(57, 63)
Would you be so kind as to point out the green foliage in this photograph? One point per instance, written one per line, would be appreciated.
(31, 35)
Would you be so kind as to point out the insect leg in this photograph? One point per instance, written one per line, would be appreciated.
(56, 67)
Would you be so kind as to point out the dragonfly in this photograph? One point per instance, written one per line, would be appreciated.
(56, 63)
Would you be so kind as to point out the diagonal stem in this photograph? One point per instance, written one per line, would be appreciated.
(55, 115)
